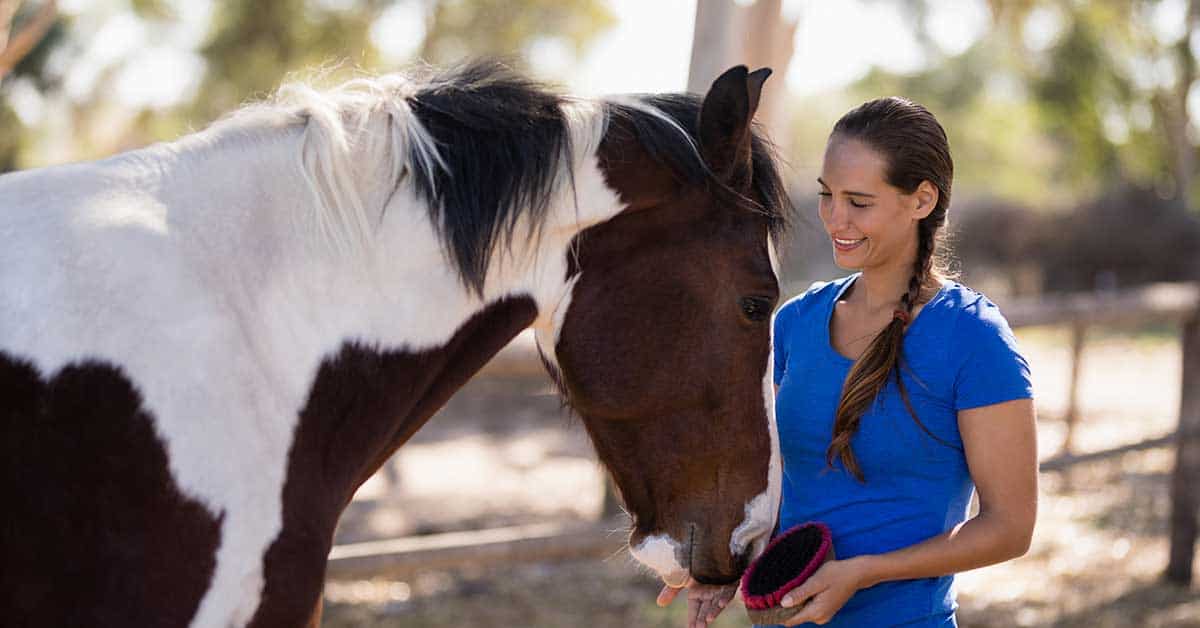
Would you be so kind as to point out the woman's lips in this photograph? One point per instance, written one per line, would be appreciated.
(847, 244)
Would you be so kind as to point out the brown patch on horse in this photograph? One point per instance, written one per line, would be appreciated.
(364, 404)
(94, 528)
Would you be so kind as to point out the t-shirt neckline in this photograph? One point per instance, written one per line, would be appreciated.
(838, 295)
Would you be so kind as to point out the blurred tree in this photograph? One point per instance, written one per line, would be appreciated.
(461, 28)
(27, 32)
(757, 34)
(1112, 88)
(252, 46)
(15, 45)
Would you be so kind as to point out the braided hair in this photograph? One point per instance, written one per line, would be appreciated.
(915, 148)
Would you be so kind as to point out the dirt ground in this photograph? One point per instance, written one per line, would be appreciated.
(504, 453)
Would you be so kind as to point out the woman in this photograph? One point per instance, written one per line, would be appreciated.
(898, 393)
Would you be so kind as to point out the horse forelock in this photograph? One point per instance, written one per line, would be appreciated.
(666, 125)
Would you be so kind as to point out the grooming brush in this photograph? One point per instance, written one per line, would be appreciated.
(789, 560)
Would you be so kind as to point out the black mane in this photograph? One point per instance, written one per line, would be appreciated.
(502, 139)
(504, 143)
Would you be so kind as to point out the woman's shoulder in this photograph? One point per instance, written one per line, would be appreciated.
(990, 367)
(974, 314)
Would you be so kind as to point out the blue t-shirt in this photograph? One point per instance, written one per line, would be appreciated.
(958, 353)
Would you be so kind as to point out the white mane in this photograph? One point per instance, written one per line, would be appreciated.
(362, 121)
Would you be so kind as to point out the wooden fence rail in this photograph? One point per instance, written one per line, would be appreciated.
(398, 558)
(1170, 303)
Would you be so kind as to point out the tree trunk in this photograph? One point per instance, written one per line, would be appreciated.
(15, 48)
(1185, 495)
(756, 36)
(1170, 105)
(714, 43)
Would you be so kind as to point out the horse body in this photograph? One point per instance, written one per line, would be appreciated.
(206, 346)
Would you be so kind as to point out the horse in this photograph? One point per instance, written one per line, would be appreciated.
(207, 345)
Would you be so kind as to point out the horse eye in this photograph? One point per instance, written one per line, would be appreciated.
(756, 308)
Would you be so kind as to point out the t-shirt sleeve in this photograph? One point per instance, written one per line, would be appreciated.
(780, 332)
(993, 370)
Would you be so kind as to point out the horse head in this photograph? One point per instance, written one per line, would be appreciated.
(663, 344)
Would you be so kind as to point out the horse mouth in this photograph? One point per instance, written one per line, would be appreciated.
(707, 578)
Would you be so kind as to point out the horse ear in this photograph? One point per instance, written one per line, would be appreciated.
(725, 119)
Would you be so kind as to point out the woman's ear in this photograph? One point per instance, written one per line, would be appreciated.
(927, 198)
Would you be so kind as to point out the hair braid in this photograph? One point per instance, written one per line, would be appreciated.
(916, 149)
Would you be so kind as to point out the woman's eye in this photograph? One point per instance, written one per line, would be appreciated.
(857, 204)
(756, 308)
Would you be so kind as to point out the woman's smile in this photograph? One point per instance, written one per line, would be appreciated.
(845, 245)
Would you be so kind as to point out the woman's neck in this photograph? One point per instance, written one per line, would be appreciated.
(880, 288)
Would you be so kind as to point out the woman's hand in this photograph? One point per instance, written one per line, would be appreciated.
(705, 601)
(826, 591)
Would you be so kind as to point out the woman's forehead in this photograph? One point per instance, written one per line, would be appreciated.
(851, 163)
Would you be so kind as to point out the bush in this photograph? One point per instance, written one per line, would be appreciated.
(1129, 237)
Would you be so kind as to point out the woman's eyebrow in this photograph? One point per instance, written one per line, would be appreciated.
(848, 192)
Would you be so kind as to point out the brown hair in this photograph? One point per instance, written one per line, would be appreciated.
(914, 145)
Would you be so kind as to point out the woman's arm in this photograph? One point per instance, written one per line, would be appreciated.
(1000, 442)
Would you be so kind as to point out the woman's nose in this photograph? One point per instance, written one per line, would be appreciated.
(834, 214)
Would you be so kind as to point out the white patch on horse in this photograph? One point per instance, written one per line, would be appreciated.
(546, 334)
(661, 554)
(219, 271)
(762, 511)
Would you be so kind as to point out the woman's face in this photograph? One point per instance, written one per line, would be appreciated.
(870, 223)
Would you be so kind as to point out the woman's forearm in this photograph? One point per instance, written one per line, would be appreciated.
(983, 540)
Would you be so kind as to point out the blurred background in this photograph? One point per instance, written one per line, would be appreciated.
(1073, 127)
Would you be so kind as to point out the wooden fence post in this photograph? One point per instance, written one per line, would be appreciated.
(1185, 481)
(1078, 336)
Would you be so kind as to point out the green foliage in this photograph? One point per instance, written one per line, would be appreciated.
(999, 148)
(255, 44)
(33, 65)
(498, 28)
(1071, 97)
(253, 47)
(10, 138)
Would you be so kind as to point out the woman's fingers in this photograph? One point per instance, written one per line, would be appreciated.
(813, 612)
(693, 618)
(667, 595)
(721, 599)
(802, 593)
(705, 602)
(710, 601)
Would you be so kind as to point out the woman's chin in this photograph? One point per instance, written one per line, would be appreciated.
(845, 262)
(854, 260)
